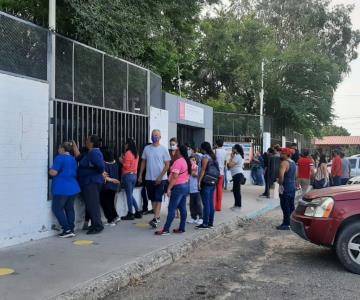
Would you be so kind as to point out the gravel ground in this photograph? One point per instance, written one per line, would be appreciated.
(256, 262)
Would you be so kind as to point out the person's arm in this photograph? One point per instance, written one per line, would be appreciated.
(142, 168)
(325, 171)
(163, 172)
(283, 168)
(204, 164)
(231, 162)
(75, 149)
(55, 168)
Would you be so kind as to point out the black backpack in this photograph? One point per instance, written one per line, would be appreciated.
(212, 173)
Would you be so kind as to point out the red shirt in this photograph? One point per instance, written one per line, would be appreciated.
(336, 168)
(304, 167)
(130, 163)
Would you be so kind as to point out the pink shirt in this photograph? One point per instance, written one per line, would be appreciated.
(180, 167)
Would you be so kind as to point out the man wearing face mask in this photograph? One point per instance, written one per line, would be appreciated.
(156, 159)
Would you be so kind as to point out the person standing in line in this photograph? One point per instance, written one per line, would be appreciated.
(110, 188)
(144, 196)
(287, 189)
(322, 174)
(90, 175)
(346, 169)
(266, 158)
(209, 166)
(235, 165)
(129, 177)
(64, 189)
(305, 171)
(257, 169)
(220, 154)
(156, 159)
(177, 191)
(196, 210)
(296, 155)
(336, 168)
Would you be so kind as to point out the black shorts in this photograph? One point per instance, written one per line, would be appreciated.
(155, 192)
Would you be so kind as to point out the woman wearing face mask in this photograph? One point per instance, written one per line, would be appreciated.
(236, 168)
(178, 190)
(173, 148)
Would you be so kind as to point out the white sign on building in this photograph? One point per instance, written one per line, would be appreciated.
(192, 113)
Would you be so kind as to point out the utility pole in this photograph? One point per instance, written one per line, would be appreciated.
(262, 98)
(179, 80)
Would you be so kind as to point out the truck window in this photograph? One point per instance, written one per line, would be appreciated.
(353, 163)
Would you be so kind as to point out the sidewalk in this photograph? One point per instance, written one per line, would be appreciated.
(56, 267)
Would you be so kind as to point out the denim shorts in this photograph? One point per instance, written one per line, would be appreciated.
(155, 192)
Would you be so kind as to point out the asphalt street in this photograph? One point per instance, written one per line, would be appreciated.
(255, 262)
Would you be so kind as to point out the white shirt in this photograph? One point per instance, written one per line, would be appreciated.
(220, 158)
(238, 167)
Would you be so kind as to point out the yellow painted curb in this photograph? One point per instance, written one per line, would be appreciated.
(83, 242)
(6, 271)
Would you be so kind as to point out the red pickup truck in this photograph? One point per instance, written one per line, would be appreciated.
(331, 217)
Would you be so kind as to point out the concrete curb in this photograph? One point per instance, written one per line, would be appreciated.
(111, 282)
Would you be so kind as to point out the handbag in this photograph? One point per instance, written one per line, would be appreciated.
(212, 173)
(242, 179)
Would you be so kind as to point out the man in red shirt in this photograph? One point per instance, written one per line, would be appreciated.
(336, 168)
(305, 171)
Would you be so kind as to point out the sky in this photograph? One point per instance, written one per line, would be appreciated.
(347, 97)
(346, 105)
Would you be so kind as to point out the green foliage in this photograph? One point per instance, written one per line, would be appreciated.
(333, 130)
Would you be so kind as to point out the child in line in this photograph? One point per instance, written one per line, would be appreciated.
(196, 209)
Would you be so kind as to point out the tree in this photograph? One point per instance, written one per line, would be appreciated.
(333, 130)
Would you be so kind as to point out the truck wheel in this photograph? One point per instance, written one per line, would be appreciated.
(348, 247)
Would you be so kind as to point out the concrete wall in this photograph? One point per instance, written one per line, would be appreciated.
(25, 211)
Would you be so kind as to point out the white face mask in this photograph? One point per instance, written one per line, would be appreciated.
(189, 152)
(173, 147)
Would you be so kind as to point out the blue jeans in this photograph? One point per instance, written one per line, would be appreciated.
(177, 201)
(63, 209)
(207, 197)
(336, 181)
(129, 181)
(287, 207)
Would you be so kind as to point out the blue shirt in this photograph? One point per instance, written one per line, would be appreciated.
(113, 170)
(91, 168)
(65, 183)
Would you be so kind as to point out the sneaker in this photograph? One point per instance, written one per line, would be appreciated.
(67, 234)
(117, 220)
(235, 208)
(192, 221)
(210, 226)
(128, 217)
(178, 230)
(199, 221)
(283, 227)
(162, 232)
(154, 223)
(202, 226)
(138, 215)
(112, 224)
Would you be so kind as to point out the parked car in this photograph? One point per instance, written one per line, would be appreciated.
(331, 217)
(354, 163)
(354, 180)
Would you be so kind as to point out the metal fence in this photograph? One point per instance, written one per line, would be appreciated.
(95, 93)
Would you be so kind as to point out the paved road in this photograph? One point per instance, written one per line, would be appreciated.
(257, 262)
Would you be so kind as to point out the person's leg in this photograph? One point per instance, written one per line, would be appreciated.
(105, 204)
(182, 209)
(174, 200)
(219, 193)
(132, 187)
(206, 205)
(159, 193)
(193, 211)
(211, 206)
(92, 198)
(128, 192)
(144, 199)
(57, 206)
(112, 207)
(198, 206)
(283, 208)
(287, 208)
(225, 179)
(70, 212)
(236, 190)
(344, 181)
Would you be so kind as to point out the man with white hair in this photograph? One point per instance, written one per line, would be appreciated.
(156, 159)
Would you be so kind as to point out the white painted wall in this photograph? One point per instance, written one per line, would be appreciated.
(159, 119)
(24, 209)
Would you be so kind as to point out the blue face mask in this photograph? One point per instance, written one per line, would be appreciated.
(155, 139)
